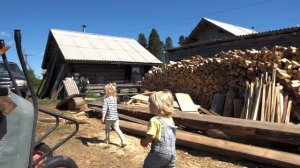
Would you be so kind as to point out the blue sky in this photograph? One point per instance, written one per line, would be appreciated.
(129, 18)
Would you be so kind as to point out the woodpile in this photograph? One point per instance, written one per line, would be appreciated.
(237, 71)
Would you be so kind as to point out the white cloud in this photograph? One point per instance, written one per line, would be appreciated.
(4, 34)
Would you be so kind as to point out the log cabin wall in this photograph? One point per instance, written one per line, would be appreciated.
(208, 32)
(104, 73)
(285, 37)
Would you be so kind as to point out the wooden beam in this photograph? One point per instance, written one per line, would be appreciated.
(57, 81)
(266, 131)
(223, 147)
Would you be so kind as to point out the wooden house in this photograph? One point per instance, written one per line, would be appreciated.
(209, 29)
(211, 37)
(99, 58)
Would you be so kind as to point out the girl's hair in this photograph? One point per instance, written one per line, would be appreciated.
(161, 103)
(110, 90)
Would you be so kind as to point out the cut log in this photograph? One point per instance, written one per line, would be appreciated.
(76, 103)
(223, 147)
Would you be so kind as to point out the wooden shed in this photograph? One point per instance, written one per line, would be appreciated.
(206, 40)
(100, 58)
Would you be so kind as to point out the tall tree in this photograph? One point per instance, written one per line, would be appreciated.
(168, 45)
(155, 46)
(142, 40)
(181, 40)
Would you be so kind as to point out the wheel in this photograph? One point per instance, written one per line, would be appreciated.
(42, 149)
(59, 161)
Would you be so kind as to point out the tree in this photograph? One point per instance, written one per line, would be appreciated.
(35, 81)
(155, 46)
(142, 40)
(181, 40)
(168, 45)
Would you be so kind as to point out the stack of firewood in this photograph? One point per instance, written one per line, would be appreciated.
(202, 78)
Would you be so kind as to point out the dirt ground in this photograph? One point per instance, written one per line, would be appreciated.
(89, 151)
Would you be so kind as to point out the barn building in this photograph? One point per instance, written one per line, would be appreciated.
(210, 37)
(100, 58)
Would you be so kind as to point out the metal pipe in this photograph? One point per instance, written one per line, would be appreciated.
(18, 38)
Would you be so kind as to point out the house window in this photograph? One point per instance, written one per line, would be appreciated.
(136, 70)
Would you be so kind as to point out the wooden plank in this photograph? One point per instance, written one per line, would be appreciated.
(223, 147)
(58, 79)
(273, 99)
(263, 105)
(237, 107)
(285, 104)
(185, 102)
(70, 86)
(256, 100)
(288, 112)
(228, 105)
(249, 101)
(207, 111)
(146, 98)
(218, 103)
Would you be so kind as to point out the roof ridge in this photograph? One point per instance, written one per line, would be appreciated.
(95, 34)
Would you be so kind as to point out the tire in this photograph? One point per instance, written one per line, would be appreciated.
(43, 148)
(59, 161)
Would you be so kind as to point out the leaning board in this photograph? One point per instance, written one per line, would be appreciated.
(185, 102)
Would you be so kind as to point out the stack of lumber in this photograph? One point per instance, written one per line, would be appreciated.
(202, 78)
(182, 102)
(264, 100)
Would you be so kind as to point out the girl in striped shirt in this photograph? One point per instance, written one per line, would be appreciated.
(110, 113)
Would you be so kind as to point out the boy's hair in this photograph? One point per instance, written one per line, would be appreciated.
(161, 103)
(110, 90)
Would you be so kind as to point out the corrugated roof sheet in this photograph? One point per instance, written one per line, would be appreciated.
(83, 46)
(236, 30)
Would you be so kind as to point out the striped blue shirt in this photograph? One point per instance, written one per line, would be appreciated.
(110, 108)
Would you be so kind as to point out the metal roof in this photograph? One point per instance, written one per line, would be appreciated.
(236, 30)
(82, 46)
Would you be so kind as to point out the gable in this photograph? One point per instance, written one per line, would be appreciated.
(208, 30)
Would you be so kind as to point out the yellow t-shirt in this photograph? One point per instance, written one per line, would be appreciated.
(154, 126)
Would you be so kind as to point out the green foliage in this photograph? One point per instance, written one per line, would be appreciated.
(142, 40)
(155, 46)
(181, 40)
(168, 43)
(35, 81)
